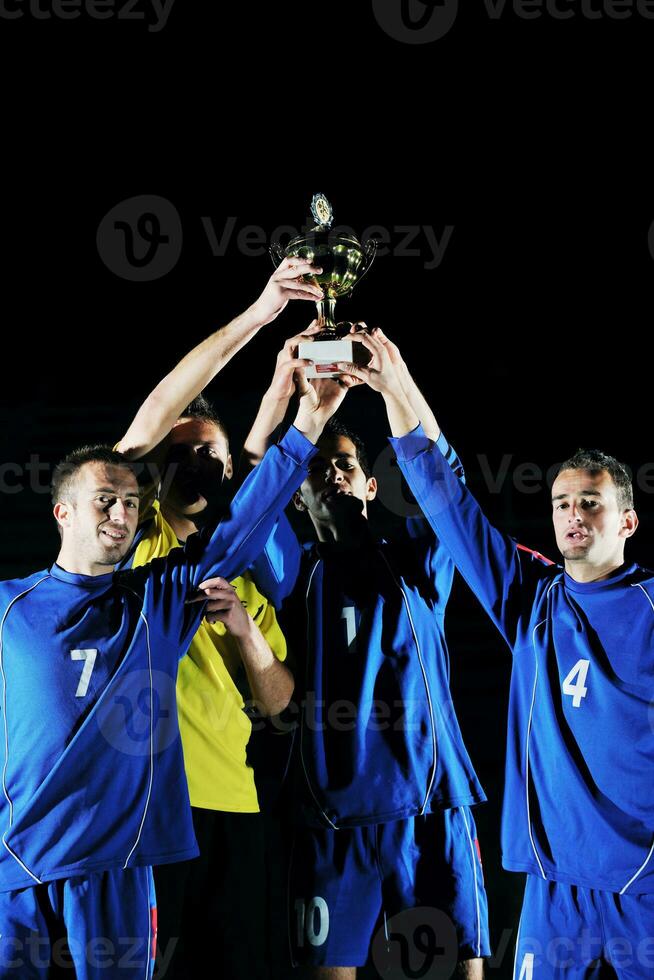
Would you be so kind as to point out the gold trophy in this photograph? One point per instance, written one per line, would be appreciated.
(343, 260)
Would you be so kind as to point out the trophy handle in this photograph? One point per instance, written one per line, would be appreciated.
(369, 251)
(277, 253)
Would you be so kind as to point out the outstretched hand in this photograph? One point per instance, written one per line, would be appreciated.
(392, 349)
(286, 283)
(320, 398)
(384, 371)
(283, 385)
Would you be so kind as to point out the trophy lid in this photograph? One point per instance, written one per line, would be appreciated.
(322, 212)
(320, 234)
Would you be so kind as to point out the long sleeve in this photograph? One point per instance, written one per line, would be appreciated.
(276, 569)
(488, 560)
(234, 544)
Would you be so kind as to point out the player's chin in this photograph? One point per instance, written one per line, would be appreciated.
(345, 503)
(113, 553)
(194, 506)
(576, 552)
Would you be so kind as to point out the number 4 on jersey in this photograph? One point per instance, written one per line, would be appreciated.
(577, 690)
(88, 656)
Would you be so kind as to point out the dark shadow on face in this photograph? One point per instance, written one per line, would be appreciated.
(198, 469)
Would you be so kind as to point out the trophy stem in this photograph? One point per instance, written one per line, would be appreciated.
(326, 308)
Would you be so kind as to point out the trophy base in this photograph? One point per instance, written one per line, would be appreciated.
(325, 354)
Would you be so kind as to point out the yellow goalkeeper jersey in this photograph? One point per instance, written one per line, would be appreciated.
(214, 727)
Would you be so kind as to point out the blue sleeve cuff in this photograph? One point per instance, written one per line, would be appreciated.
(411, 444)
(443, 445)
(416, 442)
(297, 446)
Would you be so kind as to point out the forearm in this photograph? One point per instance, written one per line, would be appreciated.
(310, 425)
(269, 417)
(163, 406)
(402, 418)
(487, 559)
(271, 682)
(420, 406)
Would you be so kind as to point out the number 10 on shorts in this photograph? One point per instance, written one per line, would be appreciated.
(312, 921)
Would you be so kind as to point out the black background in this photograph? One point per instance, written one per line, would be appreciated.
(530, 338)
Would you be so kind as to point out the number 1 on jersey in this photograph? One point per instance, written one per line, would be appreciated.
(88, 656)
(577, 690)
(527, 968)
(349, 615)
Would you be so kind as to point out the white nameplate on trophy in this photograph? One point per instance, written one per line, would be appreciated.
(325, 354)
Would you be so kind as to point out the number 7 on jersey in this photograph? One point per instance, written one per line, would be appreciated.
(88, 656)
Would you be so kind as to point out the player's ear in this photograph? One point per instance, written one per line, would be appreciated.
(371, 488)
(629, 523)
(229, 468)
(61, 513)
(298, 501)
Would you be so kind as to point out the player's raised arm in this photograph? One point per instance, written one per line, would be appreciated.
(240, 537)
(384, 374)
(167, 401)
(414, 396)
(490, 561)
(276, 563)
(275, 401)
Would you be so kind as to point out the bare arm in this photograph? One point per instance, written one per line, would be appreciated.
(414, 396)
(275, 401)
(271, 682)
(163, 406)
(382, 375)
(287, 378)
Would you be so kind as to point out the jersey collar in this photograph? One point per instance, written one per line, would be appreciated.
(94, 582)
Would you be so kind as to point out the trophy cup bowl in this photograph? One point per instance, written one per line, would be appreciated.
(344, 261)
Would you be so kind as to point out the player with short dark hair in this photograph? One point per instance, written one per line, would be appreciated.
(384, 784)
(94, 790)
(595, 461)
(579, 807)
(235, 662)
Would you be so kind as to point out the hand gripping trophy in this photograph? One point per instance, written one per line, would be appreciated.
(343, 260)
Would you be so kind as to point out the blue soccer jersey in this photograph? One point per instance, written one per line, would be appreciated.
(379, 738)
(579, 799)
(93, 774)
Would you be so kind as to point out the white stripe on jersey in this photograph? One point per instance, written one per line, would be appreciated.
(4, 712)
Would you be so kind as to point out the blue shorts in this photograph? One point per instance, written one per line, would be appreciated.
(572, 933)
(93, 927)
(385, 888)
